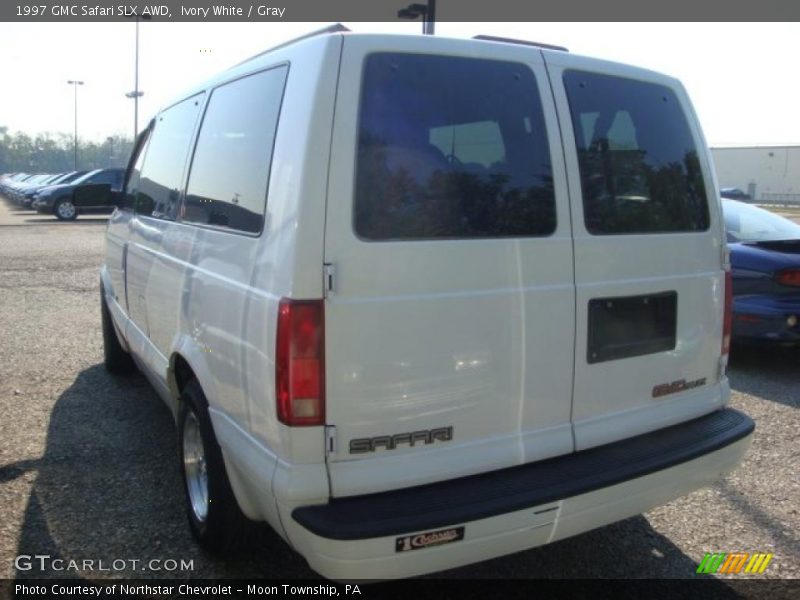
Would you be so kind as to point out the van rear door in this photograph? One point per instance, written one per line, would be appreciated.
(449, 319)
(648, 251)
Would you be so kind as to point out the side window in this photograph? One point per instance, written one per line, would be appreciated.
(134, 171)
(451, 147)
(639, 166)
(229, 176)
(109, 177)
(161, 178)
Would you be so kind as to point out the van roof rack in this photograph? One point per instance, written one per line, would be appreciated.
(492, 38)
(335, 28)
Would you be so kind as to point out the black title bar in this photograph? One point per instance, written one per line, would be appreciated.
(387, 10)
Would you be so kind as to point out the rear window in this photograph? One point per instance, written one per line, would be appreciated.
(639, 166)
(451, 147)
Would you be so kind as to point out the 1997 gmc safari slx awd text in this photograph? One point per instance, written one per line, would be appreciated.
(418, 302)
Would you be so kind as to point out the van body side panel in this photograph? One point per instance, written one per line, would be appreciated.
(291, 246)
(473, 337)
(153, 278)
(210, 292)
(618, 272)
(116, 249)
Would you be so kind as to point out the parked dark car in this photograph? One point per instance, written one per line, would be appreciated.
(765, 261)
(31, 192)
(15, 190)
(10, 180)
(734, 193)
(94, 193)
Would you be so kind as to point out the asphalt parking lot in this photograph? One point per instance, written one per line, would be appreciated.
(88, 467)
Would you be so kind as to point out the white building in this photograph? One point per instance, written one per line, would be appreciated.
(767, 173)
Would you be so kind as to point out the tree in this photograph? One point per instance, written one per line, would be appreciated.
(53, 153)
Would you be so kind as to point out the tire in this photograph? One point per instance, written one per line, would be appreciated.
(65, 210)
(115, 358)
(215, 519)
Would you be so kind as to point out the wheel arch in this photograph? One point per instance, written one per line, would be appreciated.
(187, 361)
(181, 371)
(180, 374)
(106, 284)
(107, 296)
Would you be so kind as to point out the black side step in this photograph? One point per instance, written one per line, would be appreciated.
(499, 492)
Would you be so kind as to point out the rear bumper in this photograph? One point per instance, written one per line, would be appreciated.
(515, 509)
(756, 318)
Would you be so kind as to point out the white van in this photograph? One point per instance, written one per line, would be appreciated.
(418, 302)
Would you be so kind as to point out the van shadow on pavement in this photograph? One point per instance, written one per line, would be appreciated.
(108, 488)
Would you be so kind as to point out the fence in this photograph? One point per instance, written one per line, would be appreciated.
(775, 199)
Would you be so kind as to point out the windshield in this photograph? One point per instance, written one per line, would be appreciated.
(87, 176)
(60, 178)
(747, 223)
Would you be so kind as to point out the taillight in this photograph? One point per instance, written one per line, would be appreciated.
(300, 362)
(790, 277)
(728, 315)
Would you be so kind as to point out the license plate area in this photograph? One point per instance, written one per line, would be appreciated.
(623, 327)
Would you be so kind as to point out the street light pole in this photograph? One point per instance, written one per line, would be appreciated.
(136, 94)
(426, 11)
(136, 86)
(430, 18)
(75, 84)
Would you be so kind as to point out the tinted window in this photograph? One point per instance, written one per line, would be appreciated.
(114, 178)
(230, 170)
(135, 170)
(640, 171)
(451, 148)
(159, 187)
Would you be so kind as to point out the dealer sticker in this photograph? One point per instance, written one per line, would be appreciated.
(428, 539)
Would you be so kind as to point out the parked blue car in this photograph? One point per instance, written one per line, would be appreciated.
(765, 261)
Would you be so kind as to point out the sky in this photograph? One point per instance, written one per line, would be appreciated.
(740, 76)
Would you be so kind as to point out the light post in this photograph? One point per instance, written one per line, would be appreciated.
(426, 11)
(136, 93)
(75, 85)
